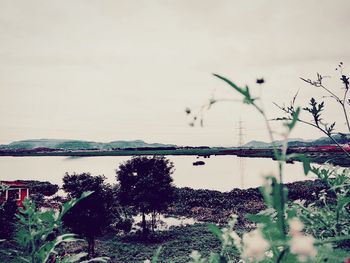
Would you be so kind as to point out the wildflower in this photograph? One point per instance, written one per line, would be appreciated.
(296, 226)
(301, 202)
(225, 238)
(230, 237)
(195, 255)
(233, 220)
(269, 254)
(303, 246)
(267, 184)
(254, 245)
(236, 239)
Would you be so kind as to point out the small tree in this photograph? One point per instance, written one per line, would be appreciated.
(92, 215)
(146, 184)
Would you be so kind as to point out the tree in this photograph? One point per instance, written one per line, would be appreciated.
(8, 219)
(91, 215)
(146, 184)
(40, 190)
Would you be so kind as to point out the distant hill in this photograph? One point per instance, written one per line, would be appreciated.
(257, 144)
(340, 138)
(79, 144)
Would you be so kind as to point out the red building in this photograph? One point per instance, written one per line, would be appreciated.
(14, 190)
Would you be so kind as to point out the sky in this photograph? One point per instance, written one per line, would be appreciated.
(126, 70)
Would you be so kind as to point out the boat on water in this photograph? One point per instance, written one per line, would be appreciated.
(198, 163)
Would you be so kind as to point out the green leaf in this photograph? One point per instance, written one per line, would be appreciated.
(216, 231)
(98, 259)
(74, 258)
(295, 117)
(68, 205)
(303, 158)
(245, 92)
(216, 258)
(155, 258)
(332, 240)
(233, 85)
(263, 219)
(49, 247)
(342, 203)
(306, 164)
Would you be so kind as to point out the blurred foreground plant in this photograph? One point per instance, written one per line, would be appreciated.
(297, 233)
(39, 234)
(329, 215)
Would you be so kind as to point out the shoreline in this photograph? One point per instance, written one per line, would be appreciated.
(319, 157)
(215, 206)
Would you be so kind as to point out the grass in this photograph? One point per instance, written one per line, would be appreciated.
(177, 244)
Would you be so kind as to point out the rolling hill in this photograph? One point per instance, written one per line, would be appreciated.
(79, 144)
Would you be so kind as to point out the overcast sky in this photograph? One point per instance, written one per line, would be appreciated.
(125, 70)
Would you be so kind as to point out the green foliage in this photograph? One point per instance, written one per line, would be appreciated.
(156, 255)
(39, 233)
(328, 217)
(215, 206)
(146, 184)
(176, 245)
(90, 217)
(8, 219)
(3, 188)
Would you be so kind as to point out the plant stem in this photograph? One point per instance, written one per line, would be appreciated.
(346, 116)
(269, 129)
(280, 158)
(280, 256)
(330, 92)
(342, 103)
(32, 252)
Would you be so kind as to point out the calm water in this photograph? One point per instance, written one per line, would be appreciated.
(219, 173)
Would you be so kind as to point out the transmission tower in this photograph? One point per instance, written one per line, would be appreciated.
(240, 133)
(241, 161)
